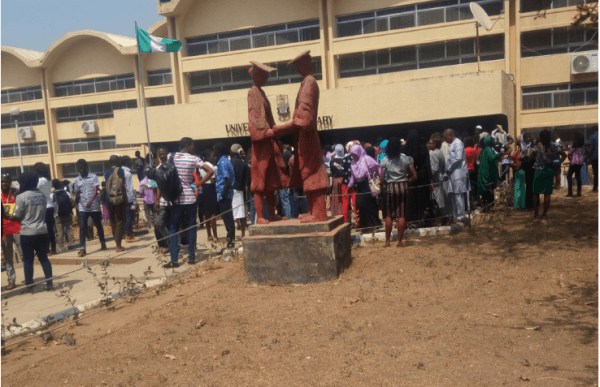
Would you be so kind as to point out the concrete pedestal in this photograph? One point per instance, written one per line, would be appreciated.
(288, 252)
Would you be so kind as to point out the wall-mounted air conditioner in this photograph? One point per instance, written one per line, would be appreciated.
(89, 127)
(26, 132)
(584, 63)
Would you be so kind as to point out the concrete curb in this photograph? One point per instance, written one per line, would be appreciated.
(420, 232)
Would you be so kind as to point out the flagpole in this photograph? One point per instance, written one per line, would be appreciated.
(141, 75)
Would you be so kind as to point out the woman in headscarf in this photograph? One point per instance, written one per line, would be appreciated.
(488, 172)
(522, 187)
(340, 172)
(546, 151)
(383, 151)
(364, 167)
(45, 186)
(419, 198)
(30, 211)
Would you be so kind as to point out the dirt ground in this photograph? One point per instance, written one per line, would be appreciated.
(515, 303)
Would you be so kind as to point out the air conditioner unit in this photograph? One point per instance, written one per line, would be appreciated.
(89, 127)
(584, 63)
(26, 132)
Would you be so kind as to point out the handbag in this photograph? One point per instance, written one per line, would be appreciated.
(374, 184)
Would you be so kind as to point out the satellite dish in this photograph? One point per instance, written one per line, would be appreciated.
(481, 16)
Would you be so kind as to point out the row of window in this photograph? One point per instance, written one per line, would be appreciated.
(160, 77)
(238, 78)
(566, 133)
(97, 167)
(94, 85)
(560, 95)
(30, 118)
(253, 38)
(30, 149)
(93, 111)
(88, 144)
(15, 172)
(21, 95)
(415, 15)
(540, 5)
(557, 41)
(423, 56)
(161, 101)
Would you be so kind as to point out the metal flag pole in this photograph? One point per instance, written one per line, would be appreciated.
(143, 93)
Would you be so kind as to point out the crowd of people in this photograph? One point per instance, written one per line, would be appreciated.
(423, 181)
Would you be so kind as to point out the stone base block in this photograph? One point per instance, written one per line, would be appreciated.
(289, 252)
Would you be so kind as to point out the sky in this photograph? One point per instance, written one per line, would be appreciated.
(36, 24)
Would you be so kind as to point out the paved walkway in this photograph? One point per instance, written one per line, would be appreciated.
(136, 260)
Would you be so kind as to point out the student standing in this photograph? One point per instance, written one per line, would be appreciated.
(63, 211)
(225, 183)
(11, 232)
(237, 203)
(45, 186)
(89, 203)
(117, 199)
(30, 211)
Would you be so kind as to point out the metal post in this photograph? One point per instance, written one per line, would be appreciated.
(19, 145)
(478, 57)
(143, 94)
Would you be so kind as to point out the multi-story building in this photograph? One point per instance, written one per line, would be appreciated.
(383, 66)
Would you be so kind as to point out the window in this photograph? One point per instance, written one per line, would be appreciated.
(21, 95)
(160, 77)
(234, 78)
(15, 172)
(541, 5)
(36, 148)
(30, 118)
(566, 133)
(254, 38)
(161, 101)
(412, 16)
(94, 85)
(97, 167)
(420, 57)
(561, 95)
(557, 41)
(88, 144)
(92, 112)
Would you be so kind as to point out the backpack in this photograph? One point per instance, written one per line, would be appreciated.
(114, 189)
(167, 179)
(65, 205)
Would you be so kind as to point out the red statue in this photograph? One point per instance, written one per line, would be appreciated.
(308, 169)
(267, 165)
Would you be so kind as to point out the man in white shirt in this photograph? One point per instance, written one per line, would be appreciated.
(86, 185)
(458, 174)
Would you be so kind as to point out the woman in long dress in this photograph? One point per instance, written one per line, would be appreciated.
(364, 167)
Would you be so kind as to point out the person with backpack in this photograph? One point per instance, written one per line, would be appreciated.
(117, 199)
(89, 203)
(181, 165)
(63, 211)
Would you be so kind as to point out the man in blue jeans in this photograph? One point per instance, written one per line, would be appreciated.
(185, 163)
(225, 182)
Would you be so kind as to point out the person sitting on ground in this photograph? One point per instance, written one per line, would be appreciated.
(544, 152)
(89, 204)
(11, 230)
(63, 211)
(398, 172)
(30, 211)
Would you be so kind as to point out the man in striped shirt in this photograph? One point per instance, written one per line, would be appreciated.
(86, 185)
(186, 163)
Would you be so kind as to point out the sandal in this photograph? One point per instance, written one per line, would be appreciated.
(81, 253)
(171, 265)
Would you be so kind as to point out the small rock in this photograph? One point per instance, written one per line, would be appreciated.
(32, 365)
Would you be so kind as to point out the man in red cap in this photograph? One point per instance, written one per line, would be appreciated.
(267, 166)
(308, 169)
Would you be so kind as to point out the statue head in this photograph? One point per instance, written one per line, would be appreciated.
(303, 63)
(259, 73)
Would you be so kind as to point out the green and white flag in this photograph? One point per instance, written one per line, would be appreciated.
(151, 43)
